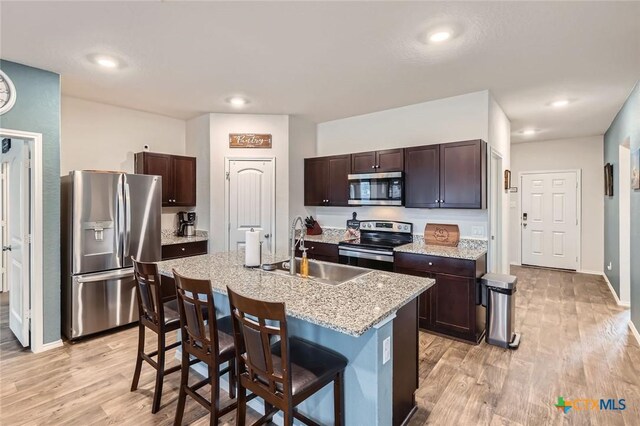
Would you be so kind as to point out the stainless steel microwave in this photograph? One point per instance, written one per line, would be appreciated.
(376, 189)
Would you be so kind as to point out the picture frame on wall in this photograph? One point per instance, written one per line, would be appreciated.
(635, 170)
(507, 180)
(608, 180)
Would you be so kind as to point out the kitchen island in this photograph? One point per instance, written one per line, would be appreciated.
(371, 320)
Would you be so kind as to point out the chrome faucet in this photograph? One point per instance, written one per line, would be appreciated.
(293, 242)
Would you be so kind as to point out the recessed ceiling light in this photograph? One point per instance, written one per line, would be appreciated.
(106, 62)
(440, 36)
(560, 103)
(238, 101)
(528, 132)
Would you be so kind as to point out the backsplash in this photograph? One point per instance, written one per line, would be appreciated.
(472, 223)
(166, 233)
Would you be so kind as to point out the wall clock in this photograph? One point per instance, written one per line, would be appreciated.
(7, 93)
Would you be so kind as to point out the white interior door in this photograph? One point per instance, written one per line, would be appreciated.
(18, 252)
(250, 202)
(550, 228)
(4, 238)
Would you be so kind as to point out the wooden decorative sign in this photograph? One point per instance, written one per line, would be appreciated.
(249, 140)
(441, 235)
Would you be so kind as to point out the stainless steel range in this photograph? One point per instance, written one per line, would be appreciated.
(374, 248)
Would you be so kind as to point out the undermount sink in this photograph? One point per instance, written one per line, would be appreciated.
(327, 273)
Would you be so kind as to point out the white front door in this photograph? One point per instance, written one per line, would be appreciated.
(550, 228)
(250, 202)
(18, 250)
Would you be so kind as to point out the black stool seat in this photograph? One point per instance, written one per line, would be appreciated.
(310, 364)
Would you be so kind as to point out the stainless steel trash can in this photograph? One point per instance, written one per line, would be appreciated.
(501, 310)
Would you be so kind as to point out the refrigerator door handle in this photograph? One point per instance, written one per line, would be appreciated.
(127, 229)
(121, 224)
(104, 276)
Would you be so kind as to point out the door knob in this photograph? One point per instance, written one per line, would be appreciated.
(6, 248)
(524, 224)
(267, 235)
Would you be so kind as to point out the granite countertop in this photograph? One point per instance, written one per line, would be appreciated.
(329, 236)
(468, 249)
(351, 308)
(169, 237)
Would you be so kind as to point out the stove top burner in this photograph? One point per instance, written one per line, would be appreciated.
(382, 235)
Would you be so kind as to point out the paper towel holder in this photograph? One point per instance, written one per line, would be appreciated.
(259, 256)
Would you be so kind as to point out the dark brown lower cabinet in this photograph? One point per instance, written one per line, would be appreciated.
(405, 362)
(453, 305)
(449, 307)
(320, 251)
(174, 251)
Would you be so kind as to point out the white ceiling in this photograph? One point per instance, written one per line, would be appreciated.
(332, 60)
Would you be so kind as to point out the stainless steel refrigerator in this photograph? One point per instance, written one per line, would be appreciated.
(106, 218)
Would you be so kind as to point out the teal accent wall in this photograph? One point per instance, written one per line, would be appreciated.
(37, 110)
(625, 125)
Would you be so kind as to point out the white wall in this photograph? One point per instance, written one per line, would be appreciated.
(585, 153)
(198, 145)
(103, 137)
(220, 127)
(499, 139)
(302, 144)
(445, 120)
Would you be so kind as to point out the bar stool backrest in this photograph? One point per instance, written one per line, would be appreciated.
(255, 324)
(199, 338)
(149, 298)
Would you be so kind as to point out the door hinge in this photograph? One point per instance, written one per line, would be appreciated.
(227, 176)
(229, 226)
(27, 314)
(27, 164)
(27, 238)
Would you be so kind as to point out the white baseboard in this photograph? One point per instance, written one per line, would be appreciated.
(615, 296)
(47, 346)
(634, 331)
(587, 271)
(515, 264)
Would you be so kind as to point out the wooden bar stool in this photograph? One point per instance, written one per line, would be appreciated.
(211, 343)
(284, 373)
(158, 316)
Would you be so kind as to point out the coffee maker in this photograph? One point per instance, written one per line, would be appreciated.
(186, 224)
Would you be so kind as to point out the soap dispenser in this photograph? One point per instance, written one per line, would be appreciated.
(304, 264)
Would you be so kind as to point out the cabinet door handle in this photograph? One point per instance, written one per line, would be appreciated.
(373, 167)
(184, 249)
(430, 263)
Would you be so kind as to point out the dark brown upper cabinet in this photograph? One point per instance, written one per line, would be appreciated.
(422, 176)
(326, 180)
(178, 176)
(451, 175)
(463, 175)
(388, 160)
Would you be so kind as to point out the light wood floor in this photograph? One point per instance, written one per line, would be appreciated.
(575, 343)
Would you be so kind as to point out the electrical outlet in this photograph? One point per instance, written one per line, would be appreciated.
(386, 350)
(477, 231)
(609, 266)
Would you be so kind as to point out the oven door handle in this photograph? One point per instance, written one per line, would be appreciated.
(366, 254)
